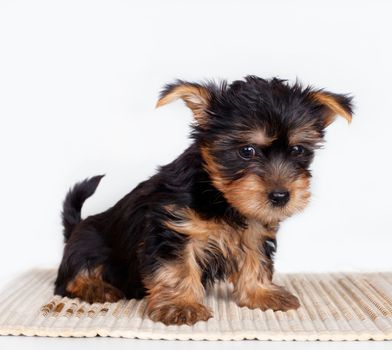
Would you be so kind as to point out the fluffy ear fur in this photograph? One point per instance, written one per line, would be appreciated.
(334, 104)
(195, 96)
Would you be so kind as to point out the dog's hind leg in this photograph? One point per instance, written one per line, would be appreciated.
(83, 272)
(89, 286)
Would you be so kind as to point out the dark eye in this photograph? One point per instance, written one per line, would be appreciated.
(297, 150)
(247, 152)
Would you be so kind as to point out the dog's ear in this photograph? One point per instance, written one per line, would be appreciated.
(197, 97)
(333, 105)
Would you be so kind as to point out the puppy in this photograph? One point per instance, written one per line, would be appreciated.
(213, 213)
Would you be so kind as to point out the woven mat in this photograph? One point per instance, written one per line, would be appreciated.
(334, 307)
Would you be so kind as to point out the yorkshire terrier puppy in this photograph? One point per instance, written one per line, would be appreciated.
(213, 213)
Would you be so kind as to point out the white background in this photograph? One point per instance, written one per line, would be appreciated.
(79, 81)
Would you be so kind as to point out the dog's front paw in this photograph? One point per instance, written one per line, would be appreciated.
(179, 314)
(276, 298)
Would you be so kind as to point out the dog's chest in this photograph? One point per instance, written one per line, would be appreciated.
(225, 250)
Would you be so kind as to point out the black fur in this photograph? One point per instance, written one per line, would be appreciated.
(130, 240)
(73, 203)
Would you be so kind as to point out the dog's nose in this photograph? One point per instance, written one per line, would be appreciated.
(279, 197)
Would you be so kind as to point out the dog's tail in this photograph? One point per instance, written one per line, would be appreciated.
(73, 202)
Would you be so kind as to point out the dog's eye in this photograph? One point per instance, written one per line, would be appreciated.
(297, 150)
(247, 152)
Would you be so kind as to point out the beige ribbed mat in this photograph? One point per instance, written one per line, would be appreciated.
(334, 307)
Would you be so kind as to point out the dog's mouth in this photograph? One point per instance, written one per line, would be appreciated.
(285, 201)
(254, 198)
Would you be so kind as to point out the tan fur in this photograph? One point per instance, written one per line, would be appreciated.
(260, 138)
(213, 169)
(253, 285)
(333, 105)
(195, 97)
(304, 134)
(242, 249)
(299, 199)
(249, 196)
(89, 286)
(266, 297)
(175, 292)
(249, 193)
(206, 236)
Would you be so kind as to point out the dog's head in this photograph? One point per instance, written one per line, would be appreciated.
(257, 138)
